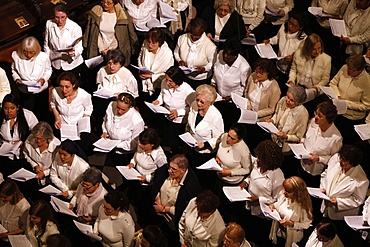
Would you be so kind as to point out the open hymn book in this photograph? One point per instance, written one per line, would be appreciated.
(72, 131)
(340, 104)
(105, 145)
(235, 193)
(299, 151)
(71, 46)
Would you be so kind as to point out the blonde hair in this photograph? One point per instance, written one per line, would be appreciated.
(230, 3)
(300, 193)
(235, 232)
(309, 45)
(208, 92)
(30, 43)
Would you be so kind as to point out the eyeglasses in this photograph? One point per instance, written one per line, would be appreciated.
(86, 186)
(171, 168)
(29, 52)
(108, 210)
(107, 2)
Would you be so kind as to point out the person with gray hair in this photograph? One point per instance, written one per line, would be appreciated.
(89, 196)
(40, 149)
(223, 21)
(290, 118)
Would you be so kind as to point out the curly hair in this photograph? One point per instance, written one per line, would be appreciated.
(207, 202)
(269, 155)
(300, 193)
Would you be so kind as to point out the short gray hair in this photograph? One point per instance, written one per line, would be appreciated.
(230, 3)
(92, 175)
(208, 92)
(299, 94)
(44, 129)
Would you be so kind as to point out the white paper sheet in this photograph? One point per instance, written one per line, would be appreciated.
(19, 241)
(250, 40)
(248, 117)
(144, 70)
(355, 222)
(7, 149)
(128, 173)
(363, 130)
(341, 106)
(50, 190)
(210, 165)
(265, 51)
(329, 92)
(94, 61)
(268, 213)
(104, 93)
(2, 229)
(22, 175)
(239, 101)
(268, 127)
(188, 139)
(61, 206)
(235, 193)
(157, 108)
(166, 13)
(300, 151)
(316, 192)
(317, 11)
(106, 144)
(311, 94)
(87, 230)
(338, 27)
(69, 131)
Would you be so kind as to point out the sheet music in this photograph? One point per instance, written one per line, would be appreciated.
(268, 213)
(317, 11)
(239, 101)
(186, 70)
(265, 51)
(144, 70)
(61, 206)
(248, 117)
(94, 61)
(22, 175)
(338, 27)
(218, 98)
(300, 151)
(329, 92)
(250, 40)
(83, 125)
(148, 25)
(210, 165)
(355, 222)
(316, 192)
(166, 13)
(157, 108)
(19, 241)
(235, 193)
(106, 144)
(104, 93)
(128, 173)
(188, 139)
(2, 229)
(268, 127)
(70, 47)
(87, 230)
(311, 94)
(8, 149)
(363, 130)
(50, 190)
(341, 105)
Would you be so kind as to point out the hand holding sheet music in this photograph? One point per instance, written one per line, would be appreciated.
(22, 175)
(61, 206)
(265, 51)
(87, 230)
(356, 222)
(188, 139)
(269, 213)
(338, 27)
(210, 165)
(129, 173)
(105, 145)
(51, 190)
(300, 151)
(157, 108)
(316, 192)
(235, 193)
(268, 127)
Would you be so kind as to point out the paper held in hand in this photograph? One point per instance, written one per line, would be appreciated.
(248, 117)
(268, 127)
(316, 192)
(128, 173)
(166, 13)
(87, 230)
(104, 93)
(317, 11)
(363, 130)
(157, 108)
(299, 151)
(50, 190)
(143, 70)
(105, 145)
(61, 206)
(338, 27)
(210, 165)
(268, 213)
(19, 241)
(356, 222)
(9, 150)
(188, 139)
(340, 104)
(235, 193)
(70, 47)
(22, 175)
(265, 51)
(72, 131)
(239, 101)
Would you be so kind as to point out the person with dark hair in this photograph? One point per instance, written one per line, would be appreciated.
(322, 140)
(156, 56)
(224, 22)
(13, 210)
(60, 34)
(176, 95)
(89, 196)
(122, 122)
(70, 104)
(231, 72)
(68, 167)
(16, 124)
(345, 183)
(40, 224)
(351, 84)
(40, 149)
(201, 224)
(58, 240)
(114, 223)
(325, 234)
(151, 236)
(110, 27)
(197, 52)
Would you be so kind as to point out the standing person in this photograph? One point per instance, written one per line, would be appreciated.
(70, 103)
(33, 67)
(41, 224)
(110, 27)
(14, 209)
(201, 224)
(252, 12)
(197, 52)
(235, 236)
(61, 33)
(325, 234)
(295, 209)
(151, 236)
(114, 223)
